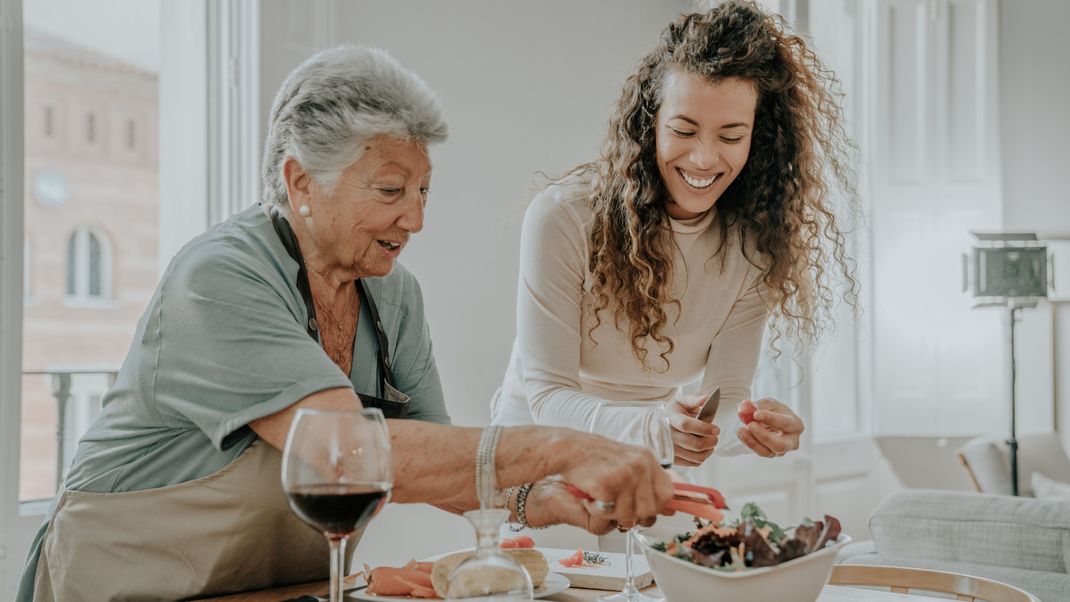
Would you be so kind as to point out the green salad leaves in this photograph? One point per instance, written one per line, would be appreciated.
(751, 541)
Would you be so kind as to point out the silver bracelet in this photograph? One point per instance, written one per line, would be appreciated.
(508, 495)
(486, 486)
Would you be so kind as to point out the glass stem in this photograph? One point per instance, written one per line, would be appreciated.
(338, 561)
(486, 540)
(629, 577)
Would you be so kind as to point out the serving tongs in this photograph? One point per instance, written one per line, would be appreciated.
(696, 500)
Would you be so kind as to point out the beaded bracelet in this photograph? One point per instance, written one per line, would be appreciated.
(521, 503)
(521, 508)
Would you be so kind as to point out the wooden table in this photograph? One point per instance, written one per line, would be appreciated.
(831, 593)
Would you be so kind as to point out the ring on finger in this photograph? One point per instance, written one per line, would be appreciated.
(605, 505)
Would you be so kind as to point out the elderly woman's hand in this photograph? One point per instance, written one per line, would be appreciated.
(549, 503)
(626, 481)
(770, 428)
(692, 439)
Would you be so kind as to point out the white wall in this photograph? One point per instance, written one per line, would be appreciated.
(1034, 126)
(1034, 92)
(526, 86)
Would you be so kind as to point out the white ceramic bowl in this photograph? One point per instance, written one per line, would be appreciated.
(798, 580)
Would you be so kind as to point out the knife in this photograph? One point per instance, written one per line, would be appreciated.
(709, 409)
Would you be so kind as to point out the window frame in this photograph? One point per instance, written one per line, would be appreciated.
(15, 526)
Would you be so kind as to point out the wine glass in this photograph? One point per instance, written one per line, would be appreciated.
(488, 573)
(337, 475)
(645, 424)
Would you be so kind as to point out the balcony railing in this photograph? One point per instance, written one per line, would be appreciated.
(62, 392)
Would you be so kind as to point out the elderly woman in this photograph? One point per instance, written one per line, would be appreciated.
(296, 303)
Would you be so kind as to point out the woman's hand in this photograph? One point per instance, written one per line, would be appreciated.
(770, 428)
(625, 481)
(693, 440)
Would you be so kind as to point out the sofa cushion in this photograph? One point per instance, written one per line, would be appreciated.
(967, 527)
(1045, 488)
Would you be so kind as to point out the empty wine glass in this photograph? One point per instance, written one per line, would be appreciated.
(337, 475)
(489, 574)
(636, 423)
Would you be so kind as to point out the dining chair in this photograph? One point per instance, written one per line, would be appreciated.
(905, 580)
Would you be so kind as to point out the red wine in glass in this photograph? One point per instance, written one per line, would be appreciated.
(337, 474)
(337, 510)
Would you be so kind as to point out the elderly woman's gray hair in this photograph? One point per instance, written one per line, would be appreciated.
(338, 99)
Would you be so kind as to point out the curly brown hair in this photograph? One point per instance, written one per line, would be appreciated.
(779, 203)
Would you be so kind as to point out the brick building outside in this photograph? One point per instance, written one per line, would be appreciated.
(91, 237)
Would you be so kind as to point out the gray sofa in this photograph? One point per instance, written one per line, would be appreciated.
(1021, 541)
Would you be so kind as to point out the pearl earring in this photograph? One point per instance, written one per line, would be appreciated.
(304, 210)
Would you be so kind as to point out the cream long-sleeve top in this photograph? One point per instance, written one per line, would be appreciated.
(557, 375)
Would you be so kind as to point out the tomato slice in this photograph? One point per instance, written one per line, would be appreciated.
(574, 560)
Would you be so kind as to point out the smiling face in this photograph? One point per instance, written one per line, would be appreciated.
(362, 225)
(703, 136)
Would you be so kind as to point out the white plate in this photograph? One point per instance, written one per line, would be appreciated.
(554, 584)
(609, 576)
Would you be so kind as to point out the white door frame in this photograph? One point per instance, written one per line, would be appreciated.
(233, 107)
(14, 528)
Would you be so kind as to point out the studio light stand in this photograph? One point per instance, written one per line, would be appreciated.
(1008, 270)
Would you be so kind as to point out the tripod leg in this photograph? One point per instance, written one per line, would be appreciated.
(1012, 443)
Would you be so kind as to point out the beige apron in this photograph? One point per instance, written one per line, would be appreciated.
(230, 531)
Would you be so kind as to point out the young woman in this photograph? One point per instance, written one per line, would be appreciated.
(708, 211)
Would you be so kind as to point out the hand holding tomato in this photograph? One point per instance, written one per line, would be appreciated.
(770, 428)
(746, 411)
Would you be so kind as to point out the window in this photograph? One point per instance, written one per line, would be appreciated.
(88, 266)
(146, 61)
